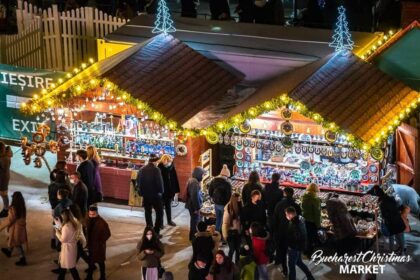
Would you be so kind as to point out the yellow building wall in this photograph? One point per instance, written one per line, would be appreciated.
(107, 49)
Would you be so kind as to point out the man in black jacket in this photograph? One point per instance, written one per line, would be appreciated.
(150, 186)
(170, 185)
(87, 174)
(272, 195)
(296, 242)
(254, 211)
(280, 224)
(203, 245)
(80, 193)
(220, 190)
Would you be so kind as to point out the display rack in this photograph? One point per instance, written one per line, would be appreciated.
(207, 163)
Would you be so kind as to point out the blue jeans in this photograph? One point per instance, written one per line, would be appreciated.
(262, 272)
(219, 217)
(295, 259)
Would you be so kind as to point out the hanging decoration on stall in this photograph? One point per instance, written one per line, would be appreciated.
(377, 153)
(330, 136)
(286, 113)
(287, 128)
(287, 142)
(38, 147)
(213, 138)
(163, 23)
(342, 41)
(245, 127)
(181, 150)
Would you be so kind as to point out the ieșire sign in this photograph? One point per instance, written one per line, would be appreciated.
(25, 80)
(360, 263)
(17, 85)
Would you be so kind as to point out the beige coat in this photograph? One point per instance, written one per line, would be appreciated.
(16, 229)
(68, 237)
(228, 224)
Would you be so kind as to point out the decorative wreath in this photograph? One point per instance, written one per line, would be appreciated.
(212, 137)
(181, 150)
(44, 129)
(377, 154)
(330, 136)
(38, 137)
(286, 113)
(245, 127)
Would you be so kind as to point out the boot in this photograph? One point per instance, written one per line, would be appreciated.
(7, 252)
(21, 262)
(53, 244)
(171, 223)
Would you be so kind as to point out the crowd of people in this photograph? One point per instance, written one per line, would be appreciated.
(251, 229)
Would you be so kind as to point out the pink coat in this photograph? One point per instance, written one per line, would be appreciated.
(16, 229)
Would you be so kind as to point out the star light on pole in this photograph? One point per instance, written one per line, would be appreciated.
(163, 23)
(342, 41)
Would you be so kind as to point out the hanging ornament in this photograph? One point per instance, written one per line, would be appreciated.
(286, 113)
(181, 139)
(287, 128)
(38, 137)
(377, 153)
(212, 137)
(38, 162)
(181, 150)
(330, 136)
(287, 142)
(40, 150)
(226, 140)
(245, 127)
(53, 146)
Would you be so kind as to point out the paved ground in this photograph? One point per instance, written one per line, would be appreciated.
(126, 227)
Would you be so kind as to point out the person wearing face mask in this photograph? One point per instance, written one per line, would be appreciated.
(150, 186)
(150, 251)
(80, 193)
(253, 212)
(97, 234)
(170, 184)
(87, 174)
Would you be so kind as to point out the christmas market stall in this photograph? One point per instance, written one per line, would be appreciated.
(326, 123)
(133, 104)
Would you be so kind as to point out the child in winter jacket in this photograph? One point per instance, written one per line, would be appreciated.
(259, 239)
(247, 266)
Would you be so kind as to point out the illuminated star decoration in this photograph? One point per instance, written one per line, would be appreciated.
(342, 38)
(163, 23)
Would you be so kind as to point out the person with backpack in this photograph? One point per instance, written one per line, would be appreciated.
(232, 226)
(150, 251)
(220, 190)
(296, 242)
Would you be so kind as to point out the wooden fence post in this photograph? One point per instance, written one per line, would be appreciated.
(90, 32)
(58, 44)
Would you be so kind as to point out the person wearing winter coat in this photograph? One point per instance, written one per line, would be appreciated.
(68, 231)
(252, 184)
(194, 199)
(64, 202)
(97, 234)
(253, 212)
(5, 162)
(170, 184)
(16, 227)
(343, 226)
(203, 244)
(272, 194)
(94, 157)
(150, 251)
(280, 227)
(216, 236)
(311, 211)
(391, 219)
(80, 193)
(88, 172)
(259, 238)
(220, 190)
(296, 241)
(150, 186)
(223, 268)
(231, 226)
(198, 269)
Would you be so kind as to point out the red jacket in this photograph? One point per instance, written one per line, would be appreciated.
(259, 246)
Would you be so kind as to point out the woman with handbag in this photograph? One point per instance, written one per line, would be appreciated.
(231, 225)
(150, 251)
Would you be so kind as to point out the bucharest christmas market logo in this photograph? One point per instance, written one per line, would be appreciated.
(368, 262)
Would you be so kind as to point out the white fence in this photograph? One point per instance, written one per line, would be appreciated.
(55, 40)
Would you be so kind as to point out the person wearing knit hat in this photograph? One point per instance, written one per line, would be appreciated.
(220, 190)
(225, 171)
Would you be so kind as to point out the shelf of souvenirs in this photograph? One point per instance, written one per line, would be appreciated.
(112, 155)
(119, 135)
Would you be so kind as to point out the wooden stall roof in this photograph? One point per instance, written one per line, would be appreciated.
(356, 95)
(172, 78)
(164, 73)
